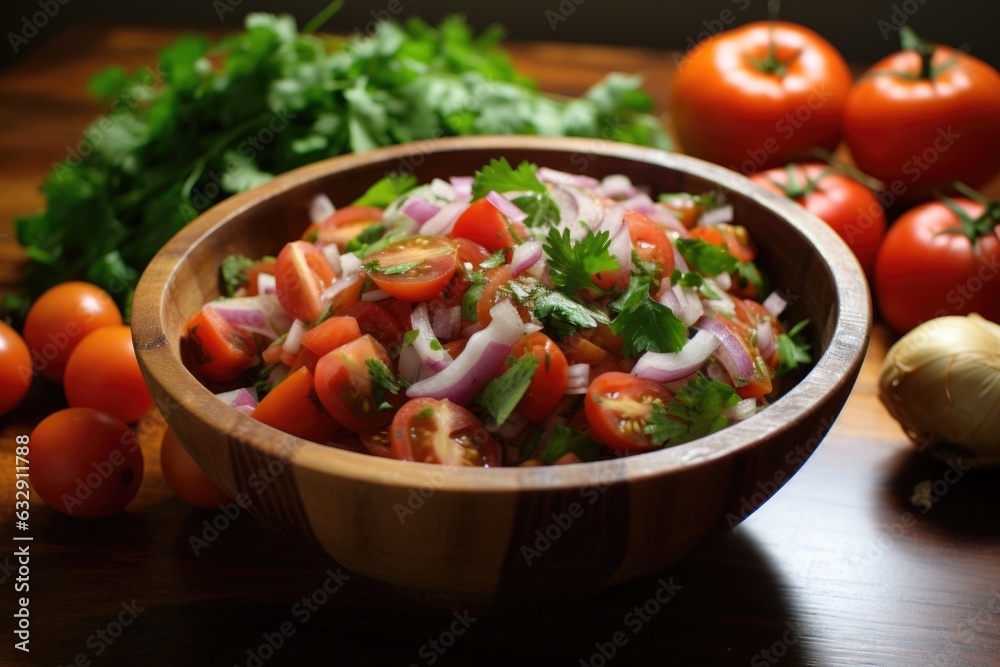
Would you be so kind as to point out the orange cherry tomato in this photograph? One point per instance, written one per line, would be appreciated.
(186, 478)
(293, 407)
(438, 431)
(216, 349)
(103, 373)
(60, 318)
(15, 368)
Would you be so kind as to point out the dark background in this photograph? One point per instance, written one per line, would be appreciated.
(852, 25)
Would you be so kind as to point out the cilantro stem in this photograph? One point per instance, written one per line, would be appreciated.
(324, 15)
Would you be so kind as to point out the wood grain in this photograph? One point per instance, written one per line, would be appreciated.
(840, 568)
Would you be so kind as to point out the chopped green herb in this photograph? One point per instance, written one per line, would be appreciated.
(396, 269)
(499, 176)
(410, 336)
(646, 325)
(695, 281)
(383, 380)
(426, 413)
(556, 310)
(502, 394)
(793, 349)
(470, 301)
(571, 265)
(696, 412)
(542, 210)
(565, 440)
(435, 345)
(746, 273)
(496, 259)
(707, 258)
(386, 190)
(234, 272)
(359, 244)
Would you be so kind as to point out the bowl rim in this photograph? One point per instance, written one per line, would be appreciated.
(835, 368)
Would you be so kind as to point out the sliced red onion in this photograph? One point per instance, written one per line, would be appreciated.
(293, 342)
(462, 186)
(426, 344)
(350, 264)
(444, 220)
(447, 321)
(743, 410)
(731, 354)
(419, 209)
(375, 295)
(579, 210)
(339, 285)
(481, 360)
(409, 364)
(470, 329)
(506, 207)
(546, 175)
(617, 186)
(266, 283)
(577, 379)
(525, 256)
(442, 189)
(668, 297)
(716, 372)
(775, 304)
(666, 219)
(332, 254)
(320, 208)
(765, 339)
(722, 214)
(261, 314)
(668, 367)
(686, 305)
(243, 399)
(640, 202)
(621, 249)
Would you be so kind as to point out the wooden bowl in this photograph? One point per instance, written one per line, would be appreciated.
(499, 534)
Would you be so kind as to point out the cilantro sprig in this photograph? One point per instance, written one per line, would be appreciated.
(711, 260)
(793, 349)
(234, 272)
(557, 311)
(384, 381)
(386, 190)
(646, 325)
(502, 394)
(498, 175)
(565, 440)
(698, 411)
(572, 264)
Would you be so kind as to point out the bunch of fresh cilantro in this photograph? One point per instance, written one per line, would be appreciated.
(215, 119)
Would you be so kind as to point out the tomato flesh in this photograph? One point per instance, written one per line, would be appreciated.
(301, 273)
(438, 431)
(216, 348)
(436, 260)
(548, 384)
(487, 226)
(344, 385)
(650, 241)
(618, 407)
(294, 407)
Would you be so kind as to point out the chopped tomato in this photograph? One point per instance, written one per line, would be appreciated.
(378, 443)
(734, 237)
(579, 350)
(548, 384)
(618, 407)
(471, 252)
(301, 273)
(456, 347)
(494, 291)
(429, 263)
(488, 227)
(331, 334)
(401, 310)
(438, 431)
(344, 386)
(344, 225)
(293, 407)
(650, 242)
(349, 293)
(216, 348)
(377, 321)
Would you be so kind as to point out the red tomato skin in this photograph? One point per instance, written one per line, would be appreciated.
(301, 273)
(485, 225)
(728, 111)
(850, 208)
(343, 385)
(548, 384)
(186, 478)
(215, 349)
(293, 407)
(604, 392)
(426, 280)
(15, 368)
(103, 373)
(922, 273)
(445, 419)
(60, 318)
(85, 463)
(651, 243)
(925, 133)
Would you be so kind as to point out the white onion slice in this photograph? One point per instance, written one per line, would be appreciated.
(293, 342)
(723, 281)
(765, 339)
(332, 254)
(731, 354)
(243, 399)
(577, 379)
(462, 187)
(506, 207)
(261, 314)
(525, 256)
(621, 249)
(667, 366)
(546, 175)
(479, 363)
(266, 283)
(441, 224)
(442, 189)
(427, 346)
(742, 410)
(446, 321)
(349, 264)
(409, 364)
(722, 214)
(775, 304)
(617, 186)
(320, 208)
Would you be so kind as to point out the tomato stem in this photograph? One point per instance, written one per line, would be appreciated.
(973, 228)
(910, 41)
(839, 166)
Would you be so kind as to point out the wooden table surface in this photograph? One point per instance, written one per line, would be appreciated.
(840, 568)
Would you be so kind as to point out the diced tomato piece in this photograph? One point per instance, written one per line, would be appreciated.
(293, 407)
(216, 348)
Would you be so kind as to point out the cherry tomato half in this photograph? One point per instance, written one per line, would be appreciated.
(85, 462)
(488, 227)
(60, 318)
(186, 478)
(438, 431)
(15, 368)
(344, 386)
(293, 407)
(103, 373)
(650, 242)
(619, 405)
(435, 259)
(301, 273)
(344, 225)
(548, 384)
(215, 348)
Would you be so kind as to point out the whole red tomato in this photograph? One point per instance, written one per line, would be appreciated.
(929, 265)
(925, 118)
(760, 95)
(849, 207)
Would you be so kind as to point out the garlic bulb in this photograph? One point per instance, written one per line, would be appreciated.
(941, 381)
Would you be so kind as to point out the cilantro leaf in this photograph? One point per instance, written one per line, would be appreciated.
(696, 412)
(571, 265)
(746, 272)
(501, 395)
(565, 440)
(410, 336)
(695, 281)
(793, 349)
(500, 176)
(234, 272)
(707, 258)
(496, 259)
(367, 236)
(558, 311)
(383, 381)
(470, 300)
(386, 190)
(542, 210)
(375, 266)
(645, 324)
